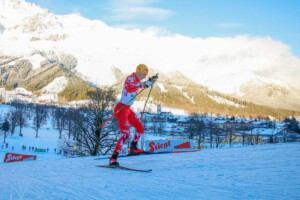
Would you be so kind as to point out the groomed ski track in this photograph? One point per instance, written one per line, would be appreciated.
(253, 172)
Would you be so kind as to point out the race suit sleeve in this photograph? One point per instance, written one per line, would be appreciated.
(132, 85)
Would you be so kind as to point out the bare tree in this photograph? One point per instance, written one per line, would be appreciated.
(21, 114)
(12, 118)
(229, 128)
(195, 127)
(2, 99)
(89, 138)
(249, 137)
(160, 128)
(191, 128)
(173, 131)
(218, 133)
(70, 125)
(5, 127)
(156, 128)
(40, 114)
(200, 130)
(59, 119)
(211, 132)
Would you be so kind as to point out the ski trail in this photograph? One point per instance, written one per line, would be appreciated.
(234, 173)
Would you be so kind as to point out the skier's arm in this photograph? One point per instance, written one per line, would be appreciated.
(130, 86)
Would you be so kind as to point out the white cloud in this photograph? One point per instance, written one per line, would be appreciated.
(206, 60)
(214, 61)
(209, 60)
(132, 10)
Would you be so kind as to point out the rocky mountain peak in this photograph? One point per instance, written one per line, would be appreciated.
(13, 12)
(44, 39)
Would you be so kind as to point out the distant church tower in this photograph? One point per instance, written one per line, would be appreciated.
(158, 108)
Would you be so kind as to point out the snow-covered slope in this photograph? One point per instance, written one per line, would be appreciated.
(253, 172)
(267, 171)
(270, 93)
(48, 93)
(33, 29)
(10, 18)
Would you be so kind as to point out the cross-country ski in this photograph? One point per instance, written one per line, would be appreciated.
(124, 168)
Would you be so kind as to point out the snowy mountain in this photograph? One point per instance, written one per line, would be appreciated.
(36, 31)
(53, 82)
(35, 43)
(273, 94)
(257, 89)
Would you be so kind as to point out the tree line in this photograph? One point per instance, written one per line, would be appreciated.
(200, 130)
(77, 126)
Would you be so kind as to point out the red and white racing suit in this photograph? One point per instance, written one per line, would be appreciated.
(125, 115)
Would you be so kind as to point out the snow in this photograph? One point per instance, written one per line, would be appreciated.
(151, 107)
(266, 131)
(16, 94)
(161, 87)
(48, 93)
(225, 101)
(180, 88)
(174, 111)
(51, 91)
(23, 91)
(56, 86)
(24, 10)
(189, 98)
(267, 171)
(253, 172)
(35, 60)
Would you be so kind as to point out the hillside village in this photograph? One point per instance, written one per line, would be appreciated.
(208, 131)
(217, 131)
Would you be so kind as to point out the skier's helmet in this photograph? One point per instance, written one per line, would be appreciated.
(142, 68)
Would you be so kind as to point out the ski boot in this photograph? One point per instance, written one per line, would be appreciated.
(113, 159)
(134, 150)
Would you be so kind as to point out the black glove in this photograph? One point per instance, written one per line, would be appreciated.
(150, 81)
(153, 78)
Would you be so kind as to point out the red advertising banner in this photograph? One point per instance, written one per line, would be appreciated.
(13, 157)
(169, 145)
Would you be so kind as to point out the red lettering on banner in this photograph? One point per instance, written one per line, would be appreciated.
(158, 146)
(12, 157)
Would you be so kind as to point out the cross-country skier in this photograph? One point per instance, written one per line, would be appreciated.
(125, 115)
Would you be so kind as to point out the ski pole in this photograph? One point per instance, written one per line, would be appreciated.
(147, 99)
(146, 103)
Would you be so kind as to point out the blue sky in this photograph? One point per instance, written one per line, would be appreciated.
(278, 19)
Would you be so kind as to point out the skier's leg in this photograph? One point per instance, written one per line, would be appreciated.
(137, 124)
(122, 118)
